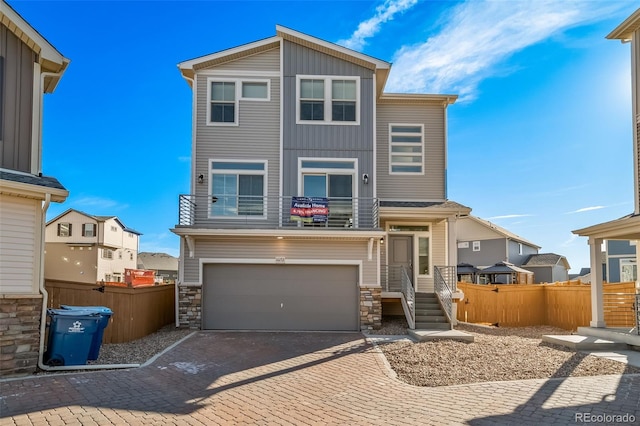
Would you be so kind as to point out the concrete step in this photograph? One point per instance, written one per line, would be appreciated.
(584, 343)
(429, 306)
(433, 326)
(420, 311)
(431, 318)
(426, 335)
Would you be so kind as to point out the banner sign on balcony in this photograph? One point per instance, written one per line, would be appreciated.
(309, 209)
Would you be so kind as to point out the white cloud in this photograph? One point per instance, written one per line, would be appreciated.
(90, 204)
(586, 209)
(477, 36)
(509, 216)
(184, 159)
(570, 241)
(366, 29)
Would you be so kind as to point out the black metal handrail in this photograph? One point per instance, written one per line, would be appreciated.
(257, 212)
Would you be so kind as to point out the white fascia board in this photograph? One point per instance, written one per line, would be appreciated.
(624, 31)
(47, 51)
(627, 228)
(192, 62)
(32, 191)
(361, 56)
(286, 233)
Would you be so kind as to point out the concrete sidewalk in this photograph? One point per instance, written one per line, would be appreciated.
(300, 379)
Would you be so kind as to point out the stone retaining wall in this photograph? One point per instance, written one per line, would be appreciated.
(370, 308)
(19, 334)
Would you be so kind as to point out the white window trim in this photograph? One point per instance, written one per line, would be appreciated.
(422, 154)
(238, 172)
(627, 262)
(475, 246)
(248, 80)
(237, 98)
(327, 99)
(416, 246)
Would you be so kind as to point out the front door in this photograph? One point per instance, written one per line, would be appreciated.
(400, 255)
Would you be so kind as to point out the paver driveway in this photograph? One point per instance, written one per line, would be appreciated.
(298, 378)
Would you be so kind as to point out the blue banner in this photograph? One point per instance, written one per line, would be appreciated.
(309, 209)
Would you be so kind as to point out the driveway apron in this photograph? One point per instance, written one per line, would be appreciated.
(301, 379)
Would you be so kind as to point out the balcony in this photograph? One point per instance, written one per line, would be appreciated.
(255, 212)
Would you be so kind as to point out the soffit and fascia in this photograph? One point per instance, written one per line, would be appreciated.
(624, 31)
(49, 58)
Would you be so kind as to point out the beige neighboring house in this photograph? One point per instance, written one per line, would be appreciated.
(29, 67)
(627, 227)
(88, 249)
(164, 265)
(317, 199)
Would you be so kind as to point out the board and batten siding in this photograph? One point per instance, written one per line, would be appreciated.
(20, 248)
(254, 248)
(17, 67)
(431, 185)
(324, 140)
(257, 136)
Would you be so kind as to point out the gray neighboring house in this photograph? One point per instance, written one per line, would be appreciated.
(315, 195)
(29, 67)
(482, 243)
(548, 267)
(165, 266)
(621, 262)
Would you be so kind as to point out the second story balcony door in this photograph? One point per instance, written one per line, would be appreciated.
(338, 189)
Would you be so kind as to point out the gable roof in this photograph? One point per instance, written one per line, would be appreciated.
(96, 218)
(380, 67)
(546, 259)
(157, 261)
(625, 30)
(49, 58)
(502, 231)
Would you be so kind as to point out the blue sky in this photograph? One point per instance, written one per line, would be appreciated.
(539, 140)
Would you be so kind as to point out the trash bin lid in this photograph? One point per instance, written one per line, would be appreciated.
(100, 309)
(73, 313)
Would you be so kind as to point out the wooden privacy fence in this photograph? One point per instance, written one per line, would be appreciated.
(137, 311)
(566, 305)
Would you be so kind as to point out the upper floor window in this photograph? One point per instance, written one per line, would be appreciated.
(255, 90)
(114, 229)
(64, 230)
(328, 100)
(238, 188)
(406, 148)
(107, 253)
(223, 102)
(88, 229)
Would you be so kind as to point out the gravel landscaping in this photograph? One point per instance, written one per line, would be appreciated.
(497, 354)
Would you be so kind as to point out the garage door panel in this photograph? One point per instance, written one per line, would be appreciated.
(280, 297)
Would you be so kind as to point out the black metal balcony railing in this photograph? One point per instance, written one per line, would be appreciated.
(255, 212)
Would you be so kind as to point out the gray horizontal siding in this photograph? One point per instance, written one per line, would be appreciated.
(253, 248)
(257, 137)
(17, 68)
(431, 185)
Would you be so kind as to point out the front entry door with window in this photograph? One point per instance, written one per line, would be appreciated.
(400, 255)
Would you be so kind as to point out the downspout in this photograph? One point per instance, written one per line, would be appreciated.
(43, 317)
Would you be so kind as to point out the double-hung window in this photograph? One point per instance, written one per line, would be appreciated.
(88, 229)
(238, 188)
(406, 149)
(328, 100)
(64, 230)
(222, 102)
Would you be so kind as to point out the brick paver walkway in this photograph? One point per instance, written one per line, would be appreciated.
(299, 378)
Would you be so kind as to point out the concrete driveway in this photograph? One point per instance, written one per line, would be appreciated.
(299, 378)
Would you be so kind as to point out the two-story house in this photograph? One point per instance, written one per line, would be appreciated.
(482, 243)
(627, 227)
(29, 67)
(315, 194)
(84, 248)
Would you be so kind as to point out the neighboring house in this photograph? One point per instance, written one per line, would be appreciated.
(85, 248)
(547, 267)
(164, 265)
(312, 190)
(483, 244)
(627, 227)
(29, 67)
(621, 261)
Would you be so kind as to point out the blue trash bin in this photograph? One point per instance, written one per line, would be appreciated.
(70, 335)
(105, 316)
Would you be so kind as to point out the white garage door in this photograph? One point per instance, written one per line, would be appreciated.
(280, 297)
